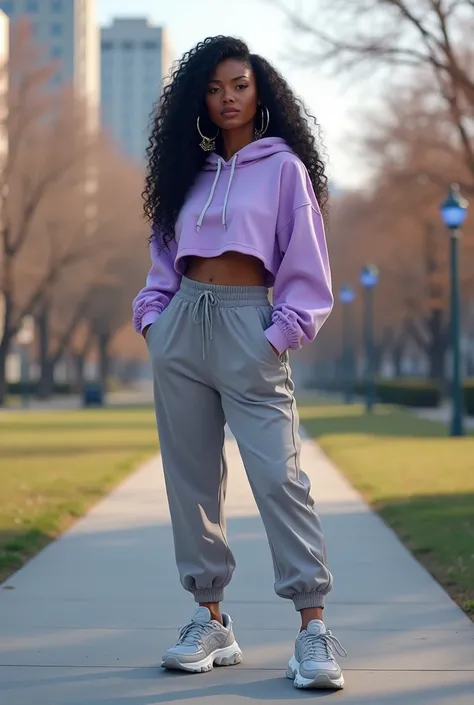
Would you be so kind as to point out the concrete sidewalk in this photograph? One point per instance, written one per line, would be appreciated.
(86, 621)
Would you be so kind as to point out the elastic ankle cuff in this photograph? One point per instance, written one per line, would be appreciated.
(209, 595)
(307, 600)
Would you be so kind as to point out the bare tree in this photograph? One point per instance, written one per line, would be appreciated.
(102, 287)
(395, 223)
(431, 36)
(46, 150)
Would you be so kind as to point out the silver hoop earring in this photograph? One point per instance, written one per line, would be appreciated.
(207, 144)
(265, 121)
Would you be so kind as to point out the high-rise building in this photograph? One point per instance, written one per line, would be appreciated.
(68, 33)
(4, 52)
(135, 59)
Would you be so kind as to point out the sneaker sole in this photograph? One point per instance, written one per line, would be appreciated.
(230, 656)
(323, 681)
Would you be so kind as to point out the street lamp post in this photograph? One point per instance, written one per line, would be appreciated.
(346, 297)
(453, 213)
(369, 277)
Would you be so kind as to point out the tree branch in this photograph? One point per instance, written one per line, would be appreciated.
(48, 280)
(34, 201)
(417, 336)
(74, 321)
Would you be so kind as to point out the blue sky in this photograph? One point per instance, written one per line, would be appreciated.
(189, 21)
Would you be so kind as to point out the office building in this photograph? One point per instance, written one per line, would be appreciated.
(135, 59)
(4, 50)
(67, 32)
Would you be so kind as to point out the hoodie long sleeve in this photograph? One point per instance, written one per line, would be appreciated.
(161, 285)
(302, 294)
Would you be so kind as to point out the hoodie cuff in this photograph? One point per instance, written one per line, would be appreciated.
(277, 338)
(149, 318)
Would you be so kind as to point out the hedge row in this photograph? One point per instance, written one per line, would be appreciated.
(59, 388)
(407, 392)
(469, 397)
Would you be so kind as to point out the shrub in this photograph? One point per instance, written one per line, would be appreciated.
(60, 388)
(469, 397)
(406, 392)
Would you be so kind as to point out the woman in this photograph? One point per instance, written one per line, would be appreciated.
(233, 185)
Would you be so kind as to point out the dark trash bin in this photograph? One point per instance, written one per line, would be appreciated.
(92, 394)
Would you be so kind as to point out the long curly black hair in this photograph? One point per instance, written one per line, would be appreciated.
(174, 156)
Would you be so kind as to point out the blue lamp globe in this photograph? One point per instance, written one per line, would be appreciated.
(346, 294)
(454, 208)
(369, 276)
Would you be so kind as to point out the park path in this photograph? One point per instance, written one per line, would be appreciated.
(86, 621)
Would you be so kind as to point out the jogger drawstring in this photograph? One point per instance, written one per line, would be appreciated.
(202, 313)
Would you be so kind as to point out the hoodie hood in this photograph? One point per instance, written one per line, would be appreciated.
(253, 152)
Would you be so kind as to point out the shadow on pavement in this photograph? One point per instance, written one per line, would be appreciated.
(252, 687)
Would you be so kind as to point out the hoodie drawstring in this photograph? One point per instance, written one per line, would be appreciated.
(213, 190)
(224, 208)
(211, 195)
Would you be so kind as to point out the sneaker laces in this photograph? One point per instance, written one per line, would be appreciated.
(192, 633)
(321, 647)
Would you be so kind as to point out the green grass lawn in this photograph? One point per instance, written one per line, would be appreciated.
(419, 480)
(55, 465)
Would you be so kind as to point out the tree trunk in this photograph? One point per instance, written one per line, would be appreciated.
(47, 365)
(397, 359)
(437, 362)
(80, 359)
(379, 353)
(80, 363)
(437, 346)
(5, 342)
(382, 347)
(397, 350)
(3, 371)
(433, 344)
(104, 360)
(46, 381)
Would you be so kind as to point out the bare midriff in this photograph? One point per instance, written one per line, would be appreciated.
(229, 269)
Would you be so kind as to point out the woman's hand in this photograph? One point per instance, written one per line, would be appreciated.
(145, 331)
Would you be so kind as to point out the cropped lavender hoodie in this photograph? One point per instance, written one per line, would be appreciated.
(259, 203)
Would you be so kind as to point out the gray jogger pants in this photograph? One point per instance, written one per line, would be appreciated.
(212, 363)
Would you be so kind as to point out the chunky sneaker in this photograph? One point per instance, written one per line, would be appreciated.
(313, 664)
(202, 643)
